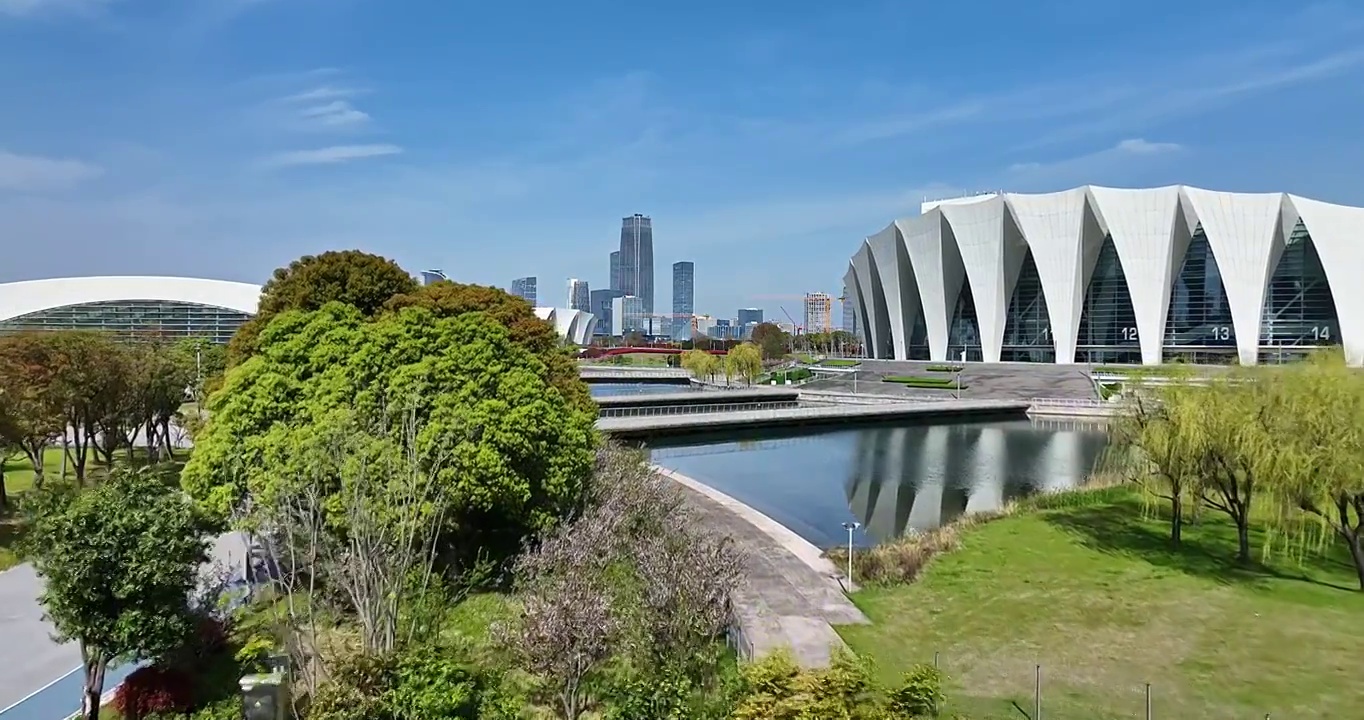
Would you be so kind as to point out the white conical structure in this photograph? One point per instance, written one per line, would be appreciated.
(1151, 235)
(992, 250)
(899, 286)
(1246, 235)
(938, 273)
(1064, 237)
(1338, 233)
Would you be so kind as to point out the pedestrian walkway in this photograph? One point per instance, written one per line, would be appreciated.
(792, 597)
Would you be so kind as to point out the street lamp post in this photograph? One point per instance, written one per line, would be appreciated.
(851, 528)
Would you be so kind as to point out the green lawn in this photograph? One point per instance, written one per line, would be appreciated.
(840, 363)
(1093, 594)
(19, 479)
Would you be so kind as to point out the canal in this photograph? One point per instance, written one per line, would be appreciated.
(613, 389)
(888, 478)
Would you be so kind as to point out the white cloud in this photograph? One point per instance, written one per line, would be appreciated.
(337, 113)
(1140, 146)
(331, 155)
(35, 173)
(324, 92)
(1085, 168)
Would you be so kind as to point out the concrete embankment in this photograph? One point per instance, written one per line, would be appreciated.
(704, 396)
(792, 596)
(647, 425)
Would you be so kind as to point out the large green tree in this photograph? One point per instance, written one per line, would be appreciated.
(30, 410)
(118, 563)
(359, 279)
(773, 340)
(511, 453)
(452, 299)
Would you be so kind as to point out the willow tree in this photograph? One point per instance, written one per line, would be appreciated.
(701, 364)
(1161, 429)
(745, 361)
(1320, 424)
(1230, 419)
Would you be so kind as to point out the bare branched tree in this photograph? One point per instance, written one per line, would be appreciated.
(631, 574)
(359, 522)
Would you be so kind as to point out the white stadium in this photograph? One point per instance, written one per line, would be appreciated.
(1110, 275)
(178, 307)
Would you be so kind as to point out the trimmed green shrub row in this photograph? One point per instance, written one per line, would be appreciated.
(840, 363)
(934, 383)
(944, 368)
(794, 375)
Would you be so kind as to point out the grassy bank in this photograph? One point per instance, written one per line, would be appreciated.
(1093, 593)
(930, 383)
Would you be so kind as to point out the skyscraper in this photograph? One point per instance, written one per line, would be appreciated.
(615, 270)
(849, 313)
(627, 315)
(637, 260)
(579, 295)
(601, 307)
(818, 312)
(684, 294)
(524, 288)
(749, 315)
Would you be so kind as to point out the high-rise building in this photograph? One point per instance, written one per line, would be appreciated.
(684, 294)
(627, 315)
(818, 312)
(615, 270)
(524, 288)
(749, 315)
(637, 259)
(600, 301)
(579, 295)
(432, 276)
(849, 312)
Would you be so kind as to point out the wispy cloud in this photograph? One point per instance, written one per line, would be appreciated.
(331, 155)
(337, 113)
(1084, 167)
(324, 107)
(35, 173)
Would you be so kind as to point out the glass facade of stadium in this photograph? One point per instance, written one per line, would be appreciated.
(133, 319)
(1196, 270)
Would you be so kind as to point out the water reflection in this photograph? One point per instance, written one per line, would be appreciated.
(890, 479)
(613, 389)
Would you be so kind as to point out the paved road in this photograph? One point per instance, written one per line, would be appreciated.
(39, 681)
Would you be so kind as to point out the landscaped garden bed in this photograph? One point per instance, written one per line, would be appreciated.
(930, 383)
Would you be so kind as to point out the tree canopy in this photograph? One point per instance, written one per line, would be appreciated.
(359, 279)
(118, 563)
(511, 452)
(772, 339)
(452, 299)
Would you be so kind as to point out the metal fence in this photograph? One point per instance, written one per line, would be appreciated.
(696, 408)
(1030, 691)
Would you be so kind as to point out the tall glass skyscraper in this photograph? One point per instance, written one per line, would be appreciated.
(524, 288)
(684, 294)
(615, 270)
(579, 295)
(637, 260)
(750, 315)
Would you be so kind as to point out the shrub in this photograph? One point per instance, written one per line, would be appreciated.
(154, 690)
(840, 363)
(933, 383)
(919, 695)
(944, 368)
(900, 561)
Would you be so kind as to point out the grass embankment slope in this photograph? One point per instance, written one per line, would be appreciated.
(1093, 593)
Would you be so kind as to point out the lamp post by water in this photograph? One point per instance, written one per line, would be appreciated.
(851, 528)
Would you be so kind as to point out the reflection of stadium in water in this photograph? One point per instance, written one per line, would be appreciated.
(893, 478)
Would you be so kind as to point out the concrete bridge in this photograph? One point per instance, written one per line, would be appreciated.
(646, 425)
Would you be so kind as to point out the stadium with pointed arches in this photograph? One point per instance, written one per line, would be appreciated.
(1110, 275)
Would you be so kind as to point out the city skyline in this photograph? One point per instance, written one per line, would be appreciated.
(765, 141)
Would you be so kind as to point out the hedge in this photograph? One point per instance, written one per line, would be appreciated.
(944, 368)
(840, 363)
(934, 383)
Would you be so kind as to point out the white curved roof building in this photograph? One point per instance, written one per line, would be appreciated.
(1110, 275)
(169, 305)
(129, 304)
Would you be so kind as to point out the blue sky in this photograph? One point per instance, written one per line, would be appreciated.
(223, 138)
